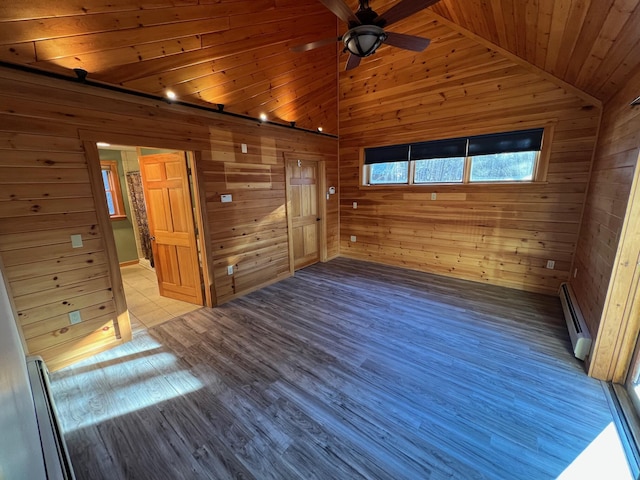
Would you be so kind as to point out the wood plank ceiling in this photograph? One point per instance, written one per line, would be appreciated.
(209, 52)
(591, 44)
(236, 52)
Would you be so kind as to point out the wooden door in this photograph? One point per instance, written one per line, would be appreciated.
(169, 208)
(304, 211)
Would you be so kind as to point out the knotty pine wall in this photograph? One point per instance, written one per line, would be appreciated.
(46, 195)
(615, 161)
(496, 234)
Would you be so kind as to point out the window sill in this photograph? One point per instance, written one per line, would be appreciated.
(421, 186)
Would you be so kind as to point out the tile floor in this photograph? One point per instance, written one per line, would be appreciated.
(146, 306)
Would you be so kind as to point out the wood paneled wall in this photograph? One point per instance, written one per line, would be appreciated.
(615, 162)
(498, 234)
(46, 195)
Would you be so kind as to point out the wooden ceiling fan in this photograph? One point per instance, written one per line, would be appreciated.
(366, 29)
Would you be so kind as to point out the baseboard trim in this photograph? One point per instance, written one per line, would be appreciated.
(129, 263)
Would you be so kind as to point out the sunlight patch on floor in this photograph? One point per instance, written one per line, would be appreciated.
(603, 458)
(134, 384)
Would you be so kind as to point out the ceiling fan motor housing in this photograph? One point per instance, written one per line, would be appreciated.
(363, 40)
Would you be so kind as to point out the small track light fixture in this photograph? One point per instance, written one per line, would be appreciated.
(81, 73)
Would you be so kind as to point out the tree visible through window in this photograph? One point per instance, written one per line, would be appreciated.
(112, 190)
(390, 172)
(505, 167)
(439, 170)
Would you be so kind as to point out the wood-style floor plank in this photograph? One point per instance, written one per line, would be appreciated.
(347, 370)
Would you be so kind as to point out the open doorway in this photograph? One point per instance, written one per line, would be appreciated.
(150, 197)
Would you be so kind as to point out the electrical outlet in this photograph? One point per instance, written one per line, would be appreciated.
(353, 238)
(355, 204)
(230, 270)
(551, 264)
(434, 195)
(74, 317)
(228, 198)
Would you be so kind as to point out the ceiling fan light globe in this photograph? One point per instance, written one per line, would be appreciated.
(363, 40)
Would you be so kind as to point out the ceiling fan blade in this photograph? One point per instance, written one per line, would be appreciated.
(353, 61)
(316, 44)
(341, 10)
(403, 9)
(408, 42)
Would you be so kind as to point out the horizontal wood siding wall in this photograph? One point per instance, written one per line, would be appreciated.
(250, 233)
(498, 234)
(45, 196)
(615, 162)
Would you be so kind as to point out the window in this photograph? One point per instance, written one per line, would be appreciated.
(389, 172)
(502, 157)
(111, 183)
(439, 170)
(503, 167)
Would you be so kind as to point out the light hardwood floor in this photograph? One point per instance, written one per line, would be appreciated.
(348, 370)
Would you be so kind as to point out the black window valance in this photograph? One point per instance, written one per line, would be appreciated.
(518, 141)
(392, 153)
(453, 147)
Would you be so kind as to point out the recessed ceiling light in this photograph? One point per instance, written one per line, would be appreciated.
(103, 144)
(171, 95)
(319, 129)
(263, 117)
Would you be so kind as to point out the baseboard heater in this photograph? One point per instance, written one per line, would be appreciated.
(54, 450)
(578, 332)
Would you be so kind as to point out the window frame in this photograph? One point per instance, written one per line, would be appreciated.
(111, 166)
(539, 174)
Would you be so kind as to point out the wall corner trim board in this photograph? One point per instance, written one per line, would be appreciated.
(608, 246)
(49, 176)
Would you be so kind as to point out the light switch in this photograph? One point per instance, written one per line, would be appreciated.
(244, 148)
(355, 204)
(74, 317)
(230, 270)
(226, 198)
(353, 238)
(76, 241)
